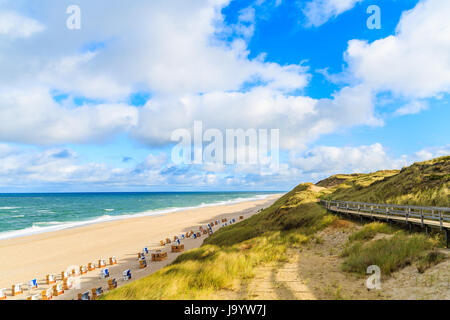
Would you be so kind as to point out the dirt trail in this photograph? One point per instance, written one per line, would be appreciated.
(314, 272)
(281, 282)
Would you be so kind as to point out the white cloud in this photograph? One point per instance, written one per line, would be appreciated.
(300, 119)
(413, 107)
(318, 12)
(14, 25)
(32, 116)
(331, 160)
(415, 62)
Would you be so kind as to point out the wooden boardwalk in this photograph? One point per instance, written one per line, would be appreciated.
(425, 217)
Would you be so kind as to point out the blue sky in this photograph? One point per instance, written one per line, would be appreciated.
(93, 109)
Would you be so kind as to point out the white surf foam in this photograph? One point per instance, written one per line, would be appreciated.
(51, 226)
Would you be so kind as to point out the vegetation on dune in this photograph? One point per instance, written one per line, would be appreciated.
(370, 230)
(390, 254)
(229, 257)
(424, 183)
(231, 254)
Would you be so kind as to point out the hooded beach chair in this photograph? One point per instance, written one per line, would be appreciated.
(241, 218)
(168, 241)
(17, 289)
(127, 275)
(91, 266)
(112, 261)
(162, 243)
(145, 250)
(159, 256)
(84, 296)
(51, 279)
(58, 289)
(96, 292)
(33, 297)
(178, 248)
(83, 270)
(205, 231)
(199, 234)
(68, 283)
(182, 236)
(112, 283)
(142, 263)
(141, 255)
(47, 294)
(3, 294)
(178, 241)
(101, 263)
(64, 275)
(224, 220)
(104, 273)
(75, 272)
(32, 284)
(195, 236)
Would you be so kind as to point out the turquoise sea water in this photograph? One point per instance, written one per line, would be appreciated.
(25, 214)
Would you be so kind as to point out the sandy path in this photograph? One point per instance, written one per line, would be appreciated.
(25, 258)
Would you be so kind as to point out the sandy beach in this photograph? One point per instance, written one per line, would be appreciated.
(35, 256)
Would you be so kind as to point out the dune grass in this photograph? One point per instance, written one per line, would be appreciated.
(430, 259)
(390, 254)
(370, 230)
(424, 183)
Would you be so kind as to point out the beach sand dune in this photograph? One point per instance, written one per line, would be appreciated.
(35, 256)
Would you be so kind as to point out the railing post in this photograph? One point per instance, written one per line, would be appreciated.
(421, 216)
(441, 220)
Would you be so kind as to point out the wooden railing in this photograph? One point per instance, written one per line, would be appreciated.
(426, 216)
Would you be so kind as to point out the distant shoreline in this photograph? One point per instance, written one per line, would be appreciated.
(64, 225)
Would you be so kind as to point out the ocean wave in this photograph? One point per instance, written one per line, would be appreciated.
(109, 210)
(51, 226)
(9, 208)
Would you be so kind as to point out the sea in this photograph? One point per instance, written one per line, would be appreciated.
(27, 214)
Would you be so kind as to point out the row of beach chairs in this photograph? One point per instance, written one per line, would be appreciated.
(57, 289)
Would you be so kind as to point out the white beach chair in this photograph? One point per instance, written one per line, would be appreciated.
(58, 289)
(112, 261)
(3, 294)
(47, 294)
(83, 270)
(101, 263)
(68, 283)
(91, 266)
(104, 273)
(64, 275)
(17, 289)
(32, 284)
(127, 275)
(51, 279)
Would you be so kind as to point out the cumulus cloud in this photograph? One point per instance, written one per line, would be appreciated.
(318, 12)
(415, 62)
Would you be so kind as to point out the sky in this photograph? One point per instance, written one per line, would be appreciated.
(93, 109)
